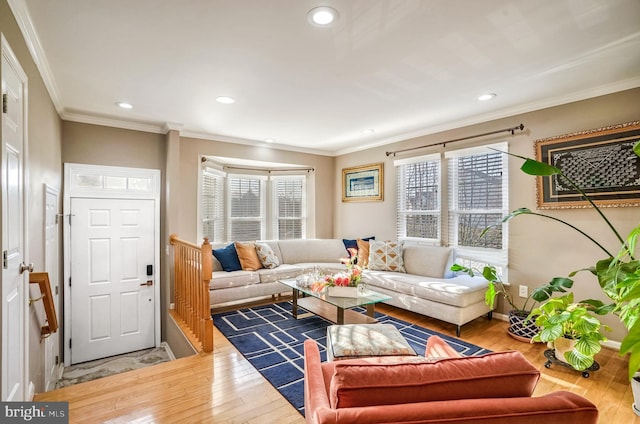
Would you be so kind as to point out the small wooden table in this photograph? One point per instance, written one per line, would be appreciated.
(335, 309)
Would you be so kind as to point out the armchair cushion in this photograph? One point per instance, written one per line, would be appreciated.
(494, 375)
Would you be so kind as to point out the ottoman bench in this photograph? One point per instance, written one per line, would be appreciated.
(365, 340)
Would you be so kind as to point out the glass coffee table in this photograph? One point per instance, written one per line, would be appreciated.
(335, 309)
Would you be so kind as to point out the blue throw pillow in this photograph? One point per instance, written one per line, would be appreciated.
(228, 258)
(353, 244)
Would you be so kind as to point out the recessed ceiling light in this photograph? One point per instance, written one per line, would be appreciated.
(369, 131)
(322, 16)
(124, 105)
(269, 140)
(225, 100)
(487, 96)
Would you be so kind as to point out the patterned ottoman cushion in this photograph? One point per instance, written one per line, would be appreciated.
(361, 340)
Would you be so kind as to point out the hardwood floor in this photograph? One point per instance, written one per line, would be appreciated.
(225, 388)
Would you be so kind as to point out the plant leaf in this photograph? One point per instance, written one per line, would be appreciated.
(534, 167)
(578, 360)
(631, 344)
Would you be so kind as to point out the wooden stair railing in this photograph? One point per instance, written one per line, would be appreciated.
(51, 324)
(192, 271)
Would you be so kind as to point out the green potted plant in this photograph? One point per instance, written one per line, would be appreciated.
(618, 274)
(571, 328)
(521, 327)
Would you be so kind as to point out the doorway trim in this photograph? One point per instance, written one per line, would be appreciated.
(108, 182)
(28, 388)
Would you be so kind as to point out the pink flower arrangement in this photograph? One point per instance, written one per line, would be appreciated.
(350, 278)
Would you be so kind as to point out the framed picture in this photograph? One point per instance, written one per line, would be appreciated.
(363, 183)
(599, 161)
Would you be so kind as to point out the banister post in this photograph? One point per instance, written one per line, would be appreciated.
(207, 270)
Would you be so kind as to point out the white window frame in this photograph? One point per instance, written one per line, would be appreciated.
(268, 215)
(402, 213)
(261, 218)
(496, 257)
(275, 212)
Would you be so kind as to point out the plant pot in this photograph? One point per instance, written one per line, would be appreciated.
(563, 345)
(521, 329)
(337, 291)
(635, 388)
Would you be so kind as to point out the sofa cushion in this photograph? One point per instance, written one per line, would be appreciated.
(282, 272)
(494, 375)
(460, 291)
(386, 256)
(248, 256)
(225, 280)
(363, 253)
(311, 251)
(228, 258)
(429, 261)
(267, 256)
(353, 243)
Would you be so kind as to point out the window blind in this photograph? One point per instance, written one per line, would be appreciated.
(478, 198)
(246, 207)
(289, 200)
(418, 195)
(212, 206)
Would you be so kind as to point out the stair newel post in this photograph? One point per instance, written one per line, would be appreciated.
(207, 323)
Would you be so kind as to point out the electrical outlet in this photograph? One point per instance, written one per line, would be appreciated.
(523, 291)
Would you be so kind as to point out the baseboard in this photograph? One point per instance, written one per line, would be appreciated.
(168, 349)
(32, 392)
(501, 317)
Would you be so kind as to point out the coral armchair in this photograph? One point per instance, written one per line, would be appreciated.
(443, 387)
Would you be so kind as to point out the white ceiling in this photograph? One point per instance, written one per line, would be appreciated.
(402, 67)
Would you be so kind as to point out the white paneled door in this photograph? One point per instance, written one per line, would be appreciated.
(112, 286)
(14, 276)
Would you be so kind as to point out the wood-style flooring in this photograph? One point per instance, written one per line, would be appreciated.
(225, 388)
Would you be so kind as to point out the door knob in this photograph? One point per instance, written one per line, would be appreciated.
(24, 267)
(148, 283)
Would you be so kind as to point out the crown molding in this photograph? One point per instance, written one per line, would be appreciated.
(590, 93)
(21, 14)
(156, 128)
(172, 126)
(254, 143)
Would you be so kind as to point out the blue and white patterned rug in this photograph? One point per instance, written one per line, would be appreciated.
(272, 341)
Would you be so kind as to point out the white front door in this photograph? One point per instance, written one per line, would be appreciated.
(112, 295)
(14, 279)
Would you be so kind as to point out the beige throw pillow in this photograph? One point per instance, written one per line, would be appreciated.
(363, 253)
(386, 256)
(247, 255)
(267, 256)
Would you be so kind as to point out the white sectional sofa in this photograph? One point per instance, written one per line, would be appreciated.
(427, 287)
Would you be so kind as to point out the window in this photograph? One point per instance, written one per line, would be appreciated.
(477, 185)
(478, 198)
(246, 207)
(289, 201)
(419, 213)
(252, 207)
(212, 205)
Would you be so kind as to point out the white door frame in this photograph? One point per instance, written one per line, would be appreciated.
(52, 267)
(27, 387)
(108, 182)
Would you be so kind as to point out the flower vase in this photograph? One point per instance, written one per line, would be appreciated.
(340, 291)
